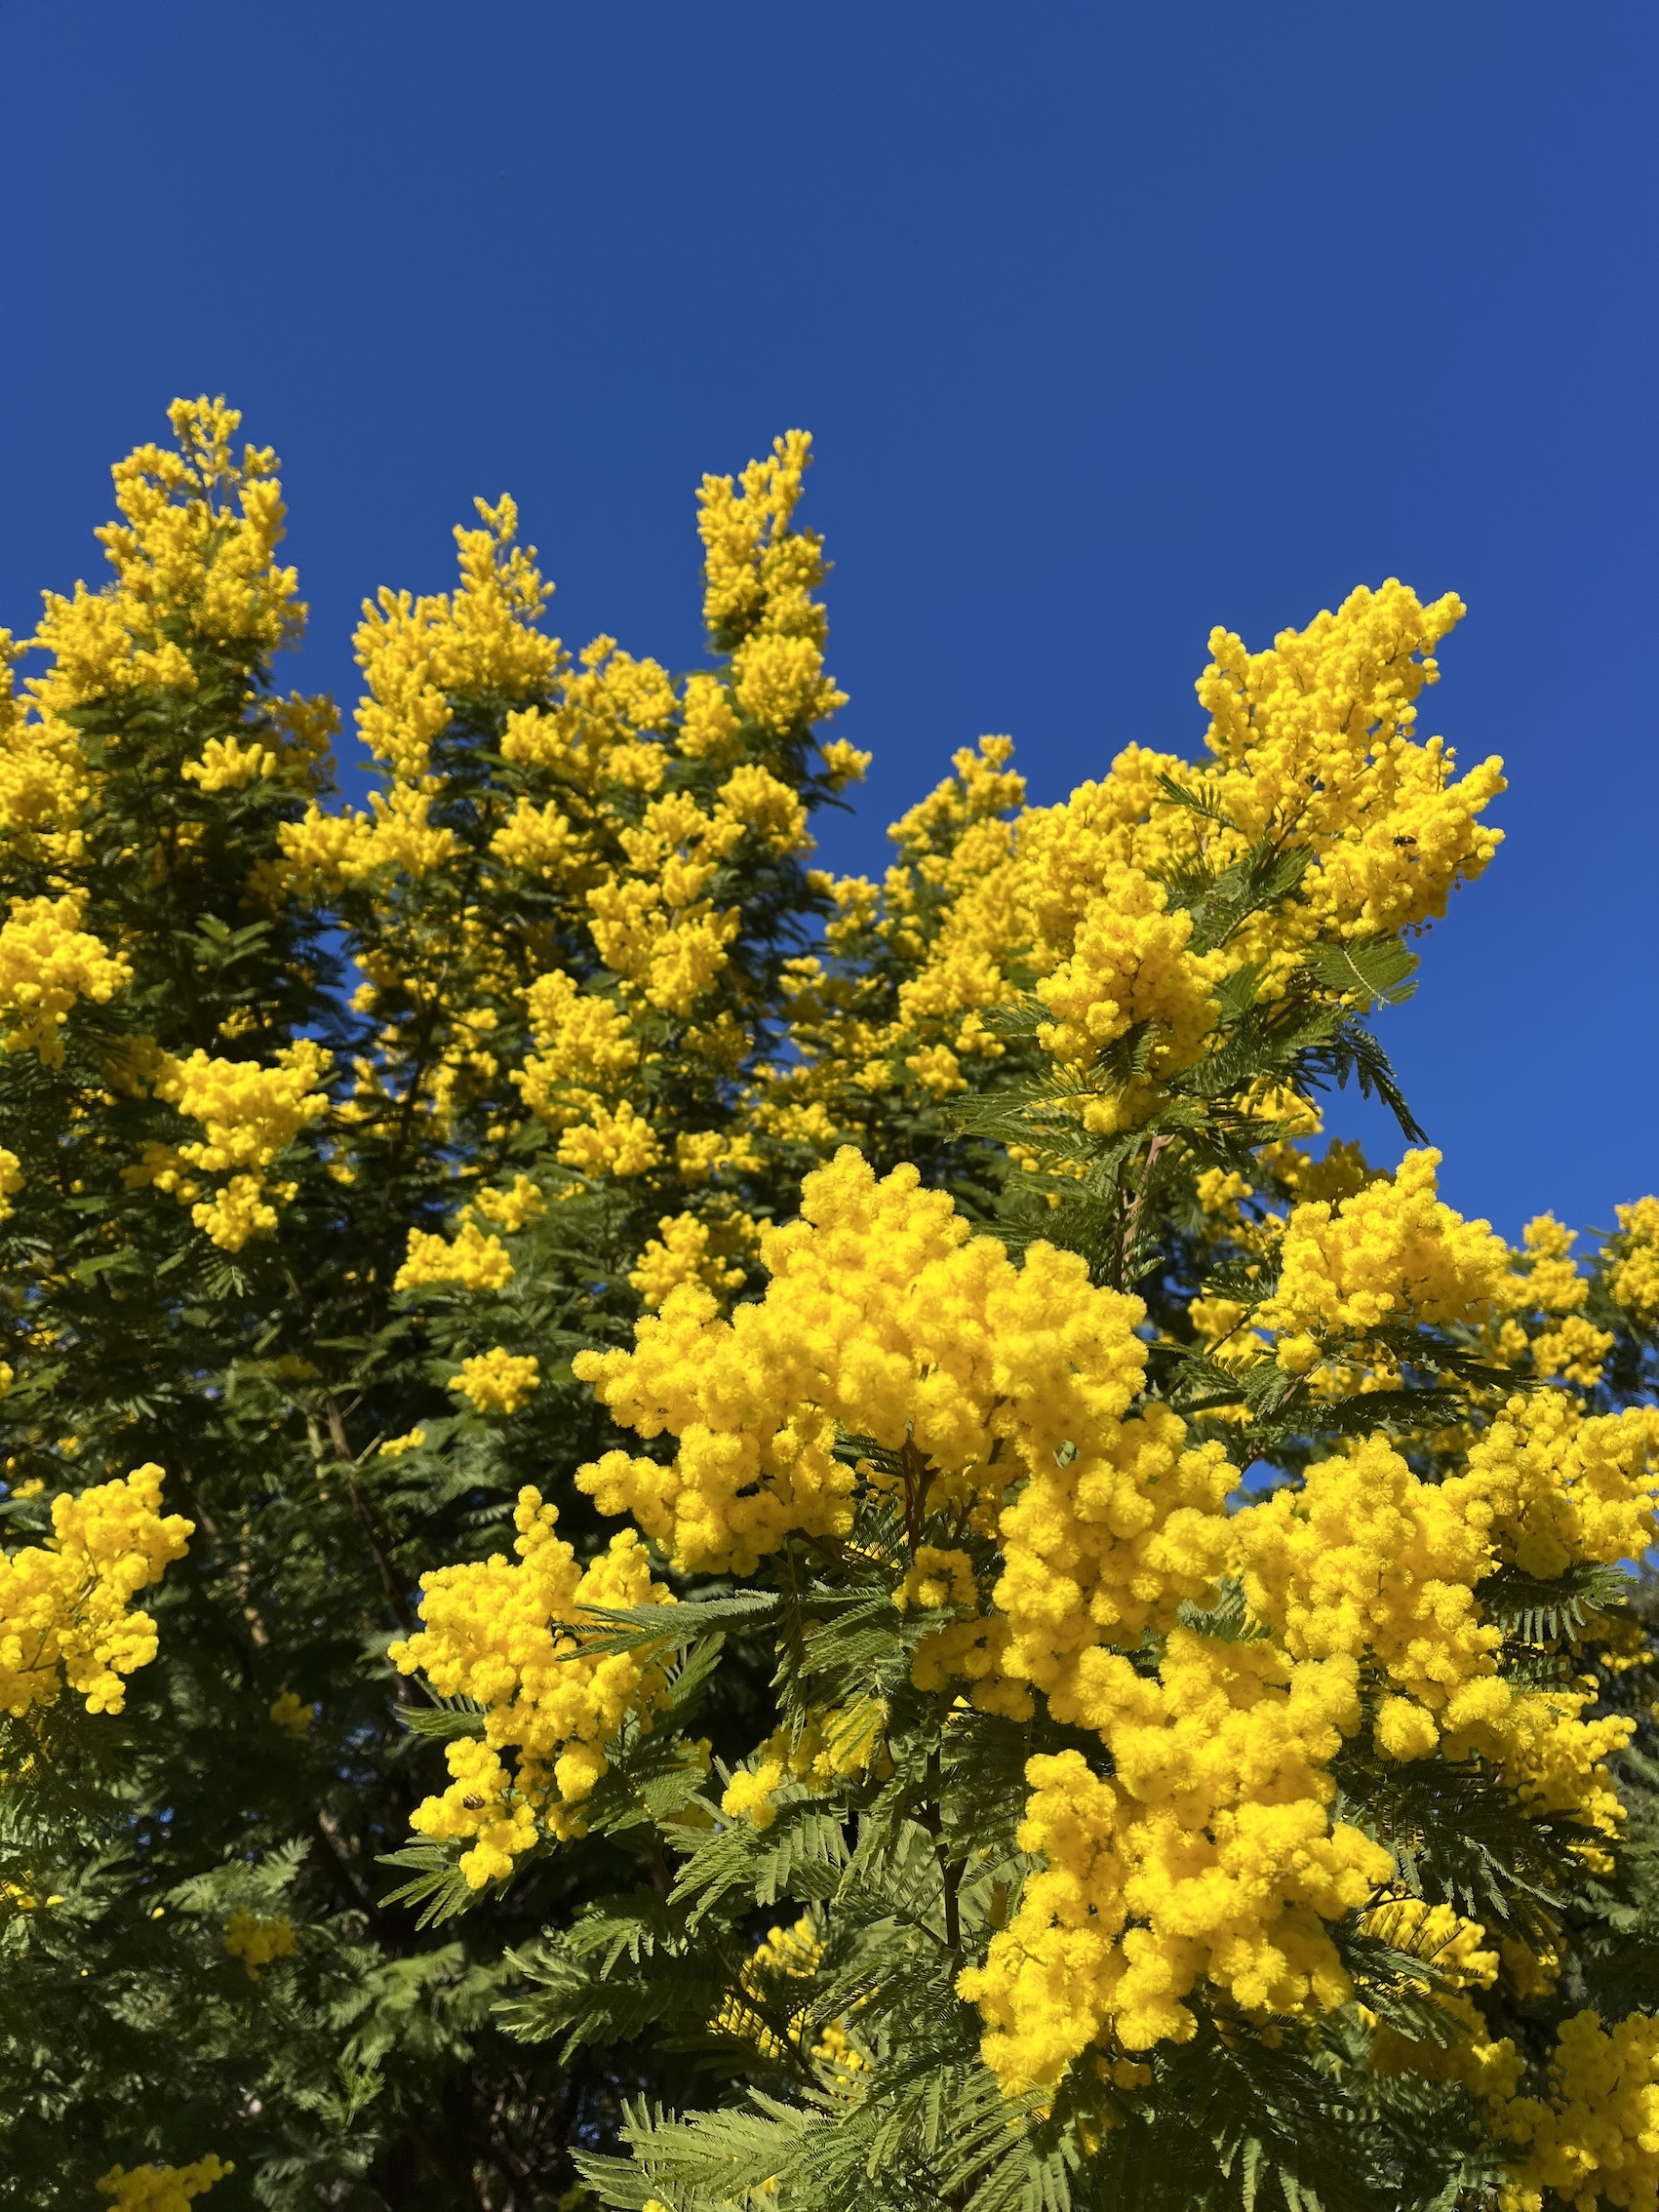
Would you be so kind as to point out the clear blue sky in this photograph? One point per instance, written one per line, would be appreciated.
(1112, 323)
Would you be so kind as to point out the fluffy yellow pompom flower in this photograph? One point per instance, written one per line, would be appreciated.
(680, 1253)
(162, 2188)
(291, 1714)
(587, 1049)
(1208, 1856)
(1391, 1253)
(1129, 964)
(622, 1143)
(250, 1114)
(1554, 1490)
(1594, 2137)
(498, 1381)
(1633, 1280)
(257, 1941)
(507, 1635)
(63, 1604)
(46, 963)
(883, 1317)
(474, 1260)
(1320, 731)
(1366, 1561)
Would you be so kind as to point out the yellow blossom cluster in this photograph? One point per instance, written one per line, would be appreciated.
(1568, 1343)
(498, 1381)
(1313, 746)
(760, 575)
(44, 779)
(250, 1115)
(473, 1259)
(508, 1635)
(1594, 2137)
(256, 1941)
(48, 963)
(1633, 1278)
(1129, 964)
(1553, 1488)
(162, 2188)
(414, 652)
(1207, 1856)
(840, 1740)
(586, 1050)
(194, 577)
(64, 1618)
(685, 1251)
(885, 1319)
(787, 1954)
(1392, 1252)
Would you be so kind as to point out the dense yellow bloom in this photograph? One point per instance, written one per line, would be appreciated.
(291, 1713)
(1366, 1561)
(682, 1252)
(1129, 964)
(257, 1941)
(503, 1634)
(162, 2188)
(1392, 1252)
(1634, 1277)
(250, 1115)
(414, 652)
(510, 1209)
(498, 1381)
(474, 1260)
(1319, 732)
(11, 1180)
(883, 1317)
(622, 1143)
(1594, 2137)
(1313, 747)
(178, 551)
(44, 779)
(63, 1604)
(1554, 1490)
(1208, 1856)
(46, 963)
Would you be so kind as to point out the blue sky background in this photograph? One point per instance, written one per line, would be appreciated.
(1111, 323)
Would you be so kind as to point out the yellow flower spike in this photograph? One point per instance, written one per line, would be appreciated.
(257, 1941)
(1633, 1280)
(162, 2188)
(48, 963)
(473, 1260)
(489, 1631)
(291, 1713)
(63, 1604)
(498, 1381)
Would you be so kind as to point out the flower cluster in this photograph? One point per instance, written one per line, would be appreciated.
(887, 1320)
(256, 1941)
(64, 1617)
(250, 1115)
(1391, 1254)
(509, 1635)
(1633, 1278)
(1209, 1856)
(48, 963)
(498, 1381)
(162, 2188)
